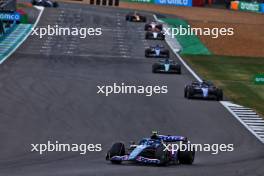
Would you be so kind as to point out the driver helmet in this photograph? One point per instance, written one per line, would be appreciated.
(154, 135)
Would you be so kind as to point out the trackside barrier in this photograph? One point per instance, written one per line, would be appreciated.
(140, 1)
(164, 2)
(105, 2)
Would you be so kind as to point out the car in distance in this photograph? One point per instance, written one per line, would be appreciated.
(44, 3)
(155, 34)
(151, 150)
(153, 25)
(158, 51)
(204, 90)
(135, 17)
(166, 66)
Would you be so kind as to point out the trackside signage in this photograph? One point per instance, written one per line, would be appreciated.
(174, 2)
(10, 16)
(262, 7)
(253, 7)
(259, 79)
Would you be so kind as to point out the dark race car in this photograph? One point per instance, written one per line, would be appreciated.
(153, 150)
(44, 3)
(155, 34)
(158, 51)
(135, 17)
(166, 66)
(153, 25)
(204, 90)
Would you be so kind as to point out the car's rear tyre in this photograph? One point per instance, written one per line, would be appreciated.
(55, 4)
(162, 155)
(117, 149)
(186, 157)
(188, 93)
(219, 96)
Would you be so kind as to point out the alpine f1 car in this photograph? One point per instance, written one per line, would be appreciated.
(153, 150)
(157, 51)
(166, 66)
(155, 34)
(204, 89)
(153, 25)
(44, 3)
(135, 17)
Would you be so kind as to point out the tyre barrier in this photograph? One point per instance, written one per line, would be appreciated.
(105, 2)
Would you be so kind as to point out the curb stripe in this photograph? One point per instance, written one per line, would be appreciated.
(254, 123)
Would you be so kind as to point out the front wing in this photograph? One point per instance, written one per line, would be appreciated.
(138, 159)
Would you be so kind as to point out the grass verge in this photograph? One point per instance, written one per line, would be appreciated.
(235, 75)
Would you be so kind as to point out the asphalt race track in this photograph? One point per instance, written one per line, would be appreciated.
(48, 92)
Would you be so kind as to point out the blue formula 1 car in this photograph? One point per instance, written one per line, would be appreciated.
(204, 90)
(166, 66)
(157, 51)
(153, 150)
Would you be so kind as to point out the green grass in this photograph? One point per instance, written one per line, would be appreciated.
(234, 75)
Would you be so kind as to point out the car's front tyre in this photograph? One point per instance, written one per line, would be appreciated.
(188, 93)
(147, 51)
(162, 155)
(117, 149)
(146, 36)
(155, 67)
(178, 68)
